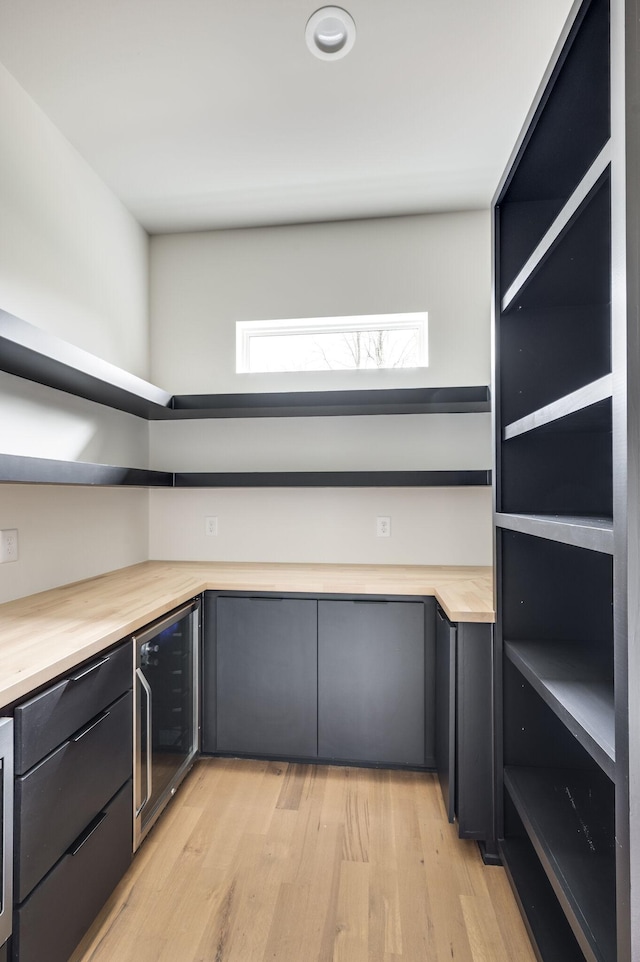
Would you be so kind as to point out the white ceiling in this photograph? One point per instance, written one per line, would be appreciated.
(212, 113)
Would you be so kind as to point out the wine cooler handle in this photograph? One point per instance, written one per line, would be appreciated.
(147, 689)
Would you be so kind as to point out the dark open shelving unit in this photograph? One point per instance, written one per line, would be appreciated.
(32, 354)
(569, 125)
(567, 481)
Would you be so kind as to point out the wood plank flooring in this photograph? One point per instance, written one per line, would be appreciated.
(270, 862)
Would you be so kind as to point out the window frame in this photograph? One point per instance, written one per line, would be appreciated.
(412, 320)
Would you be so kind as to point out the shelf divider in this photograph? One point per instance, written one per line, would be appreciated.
(578, 400)
(562, 221)
(576, 680)
(595, 534)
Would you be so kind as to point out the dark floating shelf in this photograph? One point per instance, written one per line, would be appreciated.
(23, 470)
(570, 824)
(293, 404)
(30, 353)
(333, 479)
(15, 469)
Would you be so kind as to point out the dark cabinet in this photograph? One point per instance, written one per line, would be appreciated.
(51, 922)
(371, 682)
(266, 689)
(73, 805)
(59, 797)
(464, 725)
(50, 718)
(335, 679)
(474, 731)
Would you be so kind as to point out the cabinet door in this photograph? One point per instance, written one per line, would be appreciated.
(371, 681)
(446, 711)
(266, 676)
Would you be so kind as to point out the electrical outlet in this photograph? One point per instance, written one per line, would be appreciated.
(211, 525)
(8, 545)
(383, 527)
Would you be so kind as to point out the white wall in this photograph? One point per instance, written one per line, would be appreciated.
(202, 283)
(72, 260)
(75, 263)
(428, 525)
(408, 442)
(69, 533)
(39, 422)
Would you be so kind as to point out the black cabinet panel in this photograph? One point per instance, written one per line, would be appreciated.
(464, 725)
(58, 798)
(371, 681)
(51, 922)
(446, 711)
(266, 684)
(474, 731)
(44, 722)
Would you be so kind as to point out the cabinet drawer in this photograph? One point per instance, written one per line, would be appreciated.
(44, 722)
(58, 798)
(56, 915)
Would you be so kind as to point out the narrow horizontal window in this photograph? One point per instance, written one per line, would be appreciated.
(332, 343)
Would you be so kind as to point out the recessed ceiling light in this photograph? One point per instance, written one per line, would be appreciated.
(330, 33)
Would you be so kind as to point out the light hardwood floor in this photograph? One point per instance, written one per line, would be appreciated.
(269, 862)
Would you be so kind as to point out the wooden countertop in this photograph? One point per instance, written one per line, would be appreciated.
(46, 634)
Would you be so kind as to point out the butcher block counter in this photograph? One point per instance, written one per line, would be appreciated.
(46, 634)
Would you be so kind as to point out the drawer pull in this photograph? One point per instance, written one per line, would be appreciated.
(87, 671)
(90, 726)
(88, 832)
